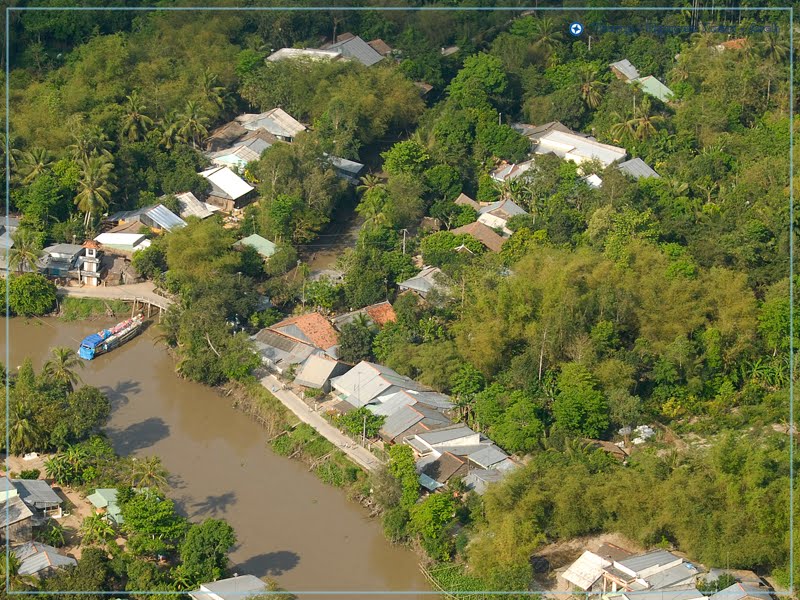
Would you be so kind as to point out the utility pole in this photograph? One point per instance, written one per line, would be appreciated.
(364, 432)
(590, 43)
(404, 239)
(499, 118)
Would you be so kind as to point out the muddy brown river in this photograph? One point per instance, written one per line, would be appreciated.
(289, 525)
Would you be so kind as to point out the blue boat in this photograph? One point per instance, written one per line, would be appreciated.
(106, 340)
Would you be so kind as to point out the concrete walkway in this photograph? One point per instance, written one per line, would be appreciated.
(134, 291)
(361, 456)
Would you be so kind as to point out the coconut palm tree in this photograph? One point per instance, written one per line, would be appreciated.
(370, 182)
(148, 472)
(89, 142)
(590, 86)
(94, 187)
(193, 124)
(135, 123)
(16, 582)
(774, 47)
(640, 126)
(170, 126)
(26, 250)
(61, 367)
(547, 34)
(214, 93)
(96, 528)
(371, 208)
(24, 434)
(32, 163)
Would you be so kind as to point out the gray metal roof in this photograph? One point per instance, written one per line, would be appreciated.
(191, 206)
(400, 421)
(488, 456)
(424, 281)
(434, 399)
(432, 416)
(235, 588)
(479, 479)
(637, 168)
(741, 590)
(505, 207)
(350, 166)
(5, 240)
(679, 574)
(35, 557)
(165, 218)
(36, 492)
(6, 485)
(447, 434)
(366, 381)
(650, 559)
(316, 371)
(625, 67)
(683, 594)
(278, 348)
(357, 48)
(13, 510)
(70, 250)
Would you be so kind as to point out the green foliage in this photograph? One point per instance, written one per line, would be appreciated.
(405, 157)
(429, 519)
(153, 525)
(77, 309)
(439, 249)
(204, 551)
(31, 295)
(579, 407)
(355, 342)
(355, 422)
(481, 83)
(402, 468)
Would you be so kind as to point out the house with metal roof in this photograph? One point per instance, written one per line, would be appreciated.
(16, 521)
(61, 260)
(371, 383)
(637, 168)
(435, 472)
(228, 190)
(7, 489)
(157, 217)
(464, 200)
(122, 242)
(261, 244)
(40, 498)
(311, 54)
(424, 282)
(279, 352)
(105, 500)
(497, 214)
(574, 147)
(652, 86)
(743, 591)
(311, 328)
(317, 371)
(233, 588)
(509, 171)
(276, 121)
(376, 315)
(380, 47)
(190, 206)
(624, 70)
(348, 170)
(653, 571)
(40, 559)
(353, 47)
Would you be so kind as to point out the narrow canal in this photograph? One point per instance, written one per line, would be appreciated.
(289, 525)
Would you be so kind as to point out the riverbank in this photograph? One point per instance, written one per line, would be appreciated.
(225, 464)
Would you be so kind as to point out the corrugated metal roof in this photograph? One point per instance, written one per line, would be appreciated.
(424, 281)
(35, 557)
(262, 245)
(235, 588)
(448, 434)
(647, 560)
(625, 67)
(488, 456)
(191, 206)
(165, 218)
(399, 421)
(391, 404)
(350, 166)
(315, 372)
(13, 511)
(651, 85)
(434, 399)
(366, 381)
(308, 53)
(637, 168)
(586, 570)
(578, 148)
(358, 49)
(37, 492)
(503, 208)
(443, 468)
(276, 121)
(429, 484)
(6, 485)
(226, 183)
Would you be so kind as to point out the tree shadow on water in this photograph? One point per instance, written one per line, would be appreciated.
(271, 564)
(139, 435)
(119, 394)
(214, 505)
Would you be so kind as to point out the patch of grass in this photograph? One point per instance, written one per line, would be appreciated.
(73, 309)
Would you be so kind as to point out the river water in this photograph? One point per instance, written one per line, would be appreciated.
(289, 525)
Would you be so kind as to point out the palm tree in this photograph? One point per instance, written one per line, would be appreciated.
(193, 123)
(95, 187)
(23, 433)
(170, 127)
(217, 95)
(135, 124)
(16, 582)
(58, 468)
(96, 528)
(370, 182)
(148, 472)
(61, 368)
(371, 208)
(640, 126)
(590, 86)
(89, 142)
(26, 250)
(33, 163)
(773, 47)
(547, 34)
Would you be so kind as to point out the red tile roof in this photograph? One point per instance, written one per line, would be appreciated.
(381, 313)
(484, 234)
(315, 327)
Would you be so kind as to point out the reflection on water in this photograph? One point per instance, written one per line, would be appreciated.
(289, 524)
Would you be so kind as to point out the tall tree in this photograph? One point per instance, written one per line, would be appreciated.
(26, 250)
(32, 163)
(135, 123)
(95, 187)
(61, 367)
(193, 123)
